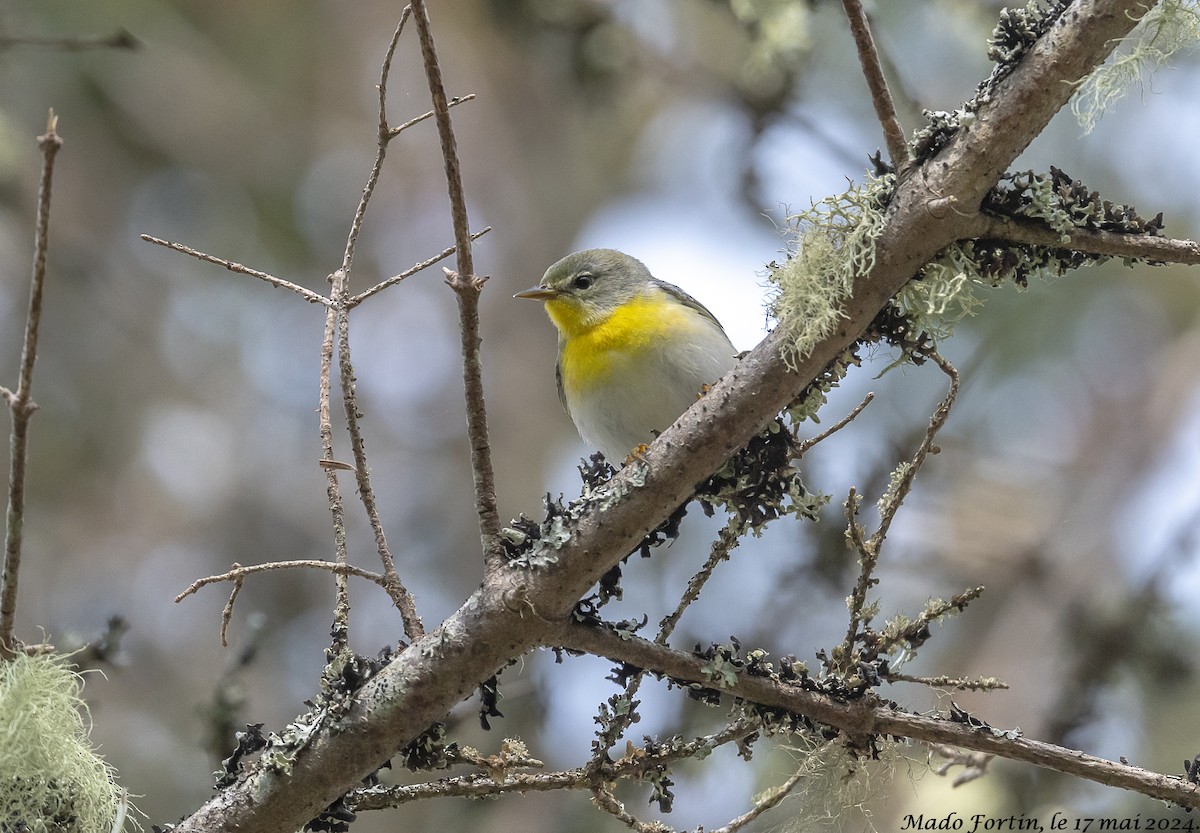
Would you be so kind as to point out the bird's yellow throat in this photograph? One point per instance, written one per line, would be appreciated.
(593, 347)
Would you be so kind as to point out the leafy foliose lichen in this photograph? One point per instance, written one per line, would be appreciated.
(945, 289)
(1016, 32)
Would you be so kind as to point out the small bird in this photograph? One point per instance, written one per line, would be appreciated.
(634, 352)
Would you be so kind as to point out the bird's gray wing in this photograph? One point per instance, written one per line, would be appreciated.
(688, 301)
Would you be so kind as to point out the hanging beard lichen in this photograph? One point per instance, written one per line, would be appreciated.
(51, 780)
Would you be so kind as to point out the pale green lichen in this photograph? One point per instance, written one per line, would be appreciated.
(834, 243)
(51, 779)
(898, 479)
(1170, 27)
(835, 785)
(780, 33)
(947, 288)
(721, 671)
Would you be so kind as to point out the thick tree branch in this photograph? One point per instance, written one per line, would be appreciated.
(517, 608)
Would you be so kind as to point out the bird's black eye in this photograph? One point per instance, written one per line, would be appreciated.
(583, 281)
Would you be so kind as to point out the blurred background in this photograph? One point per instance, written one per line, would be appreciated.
(178, 433)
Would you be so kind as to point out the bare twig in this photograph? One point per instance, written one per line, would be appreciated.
(382, 140)
(238, 572)
(441, 114)
(20, 402)
(466, 289)
(306, 294)
(806, 445)
(393, 132)
(768, 800)
(227, 611)
(467, 286)
(881, 97)
(120, 39)
(395, 588)
(337, 508)
(355, 300)
(727, 540)
(340, 294)
(974, 764)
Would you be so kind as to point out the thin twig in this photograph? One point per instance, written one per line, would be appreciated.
(806, 445)
(974, 764)
(868, 558)
(466, 290)
(770, 799)
(227, 611)
(337, 508)
(403, 600)
(306, 294)
(467, 286)
(956, 683)
(441, 114)
(340, 294)
(355, 300)
(238, 572)
(631, 767)
(20, 403)
(451, 102)
(604, 799)
(889, 505)
(881, 97)
(614, 727)
(899, 491)
(727, 540)
(382, 138)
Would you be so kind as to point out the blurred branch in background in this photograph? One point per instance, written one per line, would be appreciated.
(120, 39)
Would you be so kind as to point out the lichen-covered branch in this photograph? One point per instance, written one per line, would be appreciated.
(868, 716)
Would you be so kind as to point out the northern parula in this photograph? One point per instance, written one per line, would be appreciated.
(634, 352)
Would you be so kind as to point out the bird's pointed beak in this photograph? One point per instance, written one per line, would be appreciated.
(538, 293)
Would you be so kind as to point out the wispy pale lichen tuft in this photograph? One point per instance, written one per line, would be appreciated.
(834, 242)
(1168, 28)
(51, 779)
(780, 32)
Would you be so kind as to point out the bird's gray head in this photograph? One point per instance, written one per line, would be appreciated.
(600, 279)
